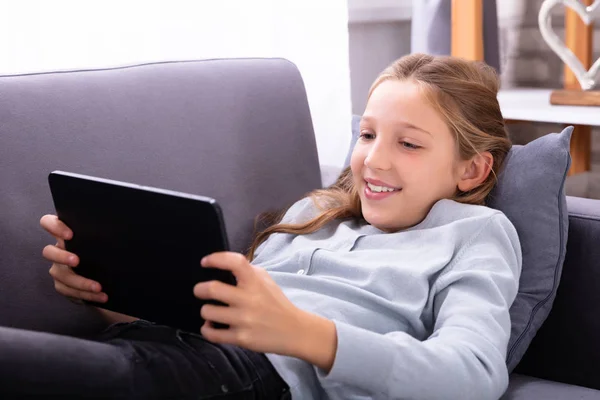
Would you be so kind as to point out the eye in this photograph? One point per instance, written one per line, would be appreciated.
(410, 146)
(366, 136)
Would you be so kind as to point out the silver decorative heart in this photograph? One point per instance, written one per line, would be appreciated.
(586, 78)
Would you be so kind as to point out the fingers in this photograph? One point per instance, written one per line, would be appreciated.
(214, 313)
(73, 285)
(65, 275)
(227, 260)
(219, 335)
(216, 290)
(56, 254)
(56, 227)
(67, 282)
(79, 294)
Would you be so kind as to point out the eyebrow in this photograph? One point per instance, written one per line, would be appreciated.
(404, 124)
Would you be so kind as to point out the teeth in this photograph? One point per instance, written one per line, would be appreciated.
(379, 188)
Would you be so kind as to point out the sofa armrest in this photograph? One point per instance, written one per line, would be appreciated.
(580, 207)
(573, 319)
(523, 387)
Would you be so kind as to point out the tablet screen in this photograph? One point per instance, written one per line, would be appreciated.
(142, 244)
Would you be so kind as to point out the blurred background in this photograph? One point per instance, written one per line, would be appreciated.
(339, 46)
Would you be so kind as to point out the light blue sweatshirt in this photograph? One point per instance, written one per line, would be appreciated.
(420, 314)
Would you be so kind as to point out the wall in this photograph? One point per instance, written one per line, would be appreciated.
(378, 33)
(72, 34)
(372, 47)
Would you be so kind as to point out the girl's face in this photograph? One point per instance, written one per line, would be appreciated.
(404, 145)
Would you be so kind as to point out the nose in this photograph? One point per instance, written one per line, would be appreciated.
(378, 157)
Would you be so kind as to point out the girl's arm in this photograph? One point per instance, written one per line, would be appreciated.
(314, 341)
(260, 316)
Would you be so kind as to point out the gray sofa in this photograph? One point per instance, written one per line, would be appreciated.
(240, 131)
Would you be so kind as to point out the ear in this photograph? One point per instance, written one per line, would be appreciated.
(475, 171)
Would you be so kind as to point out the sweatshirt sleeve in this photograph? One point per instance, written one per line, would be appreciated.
(464, 357)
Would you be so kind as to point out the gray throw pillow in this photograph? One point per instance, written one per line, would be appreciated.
(531, 192)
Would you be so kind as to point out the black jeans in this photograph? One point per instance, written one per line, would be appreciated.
(138, 360)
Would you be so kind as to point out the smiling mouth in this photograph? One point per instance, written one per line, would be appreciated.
(378, 196)
(381, 189)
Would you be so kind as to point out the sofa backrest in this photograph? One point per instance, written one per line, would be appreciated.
(236, 130)
(567, 346)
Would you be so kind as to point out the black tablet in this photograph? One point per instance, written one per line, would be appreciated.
(142, 244)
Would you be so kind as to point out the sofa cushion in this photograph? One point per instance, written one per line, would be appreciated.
(530, 191)
(237, 130)
(523, 387)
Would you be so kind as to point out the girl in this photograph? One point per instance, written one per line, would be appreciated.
(394, 283)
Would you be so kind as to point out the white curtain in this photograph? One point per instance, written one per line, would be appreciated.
(43, 35)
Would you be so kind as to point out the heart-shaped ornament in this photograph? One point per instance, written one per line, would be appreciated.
(585, 77)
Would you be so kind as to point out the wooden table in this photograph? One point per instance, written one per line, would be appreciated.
(530, 104)
(533, 105)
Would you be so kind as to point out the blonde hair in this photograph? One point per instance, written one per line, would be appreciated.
(464, 93)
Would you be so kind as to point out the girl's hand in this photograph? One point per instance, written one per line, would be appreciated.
(260, 316)
(66, 281)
